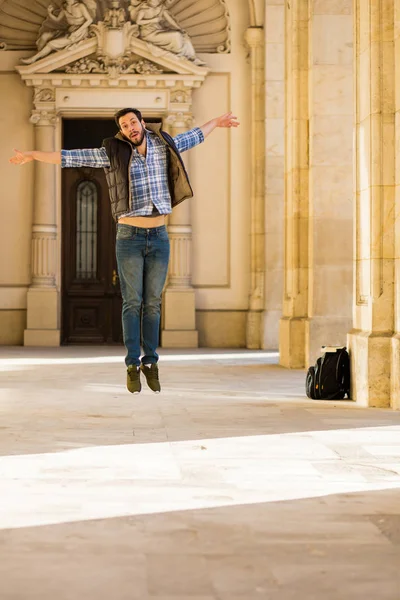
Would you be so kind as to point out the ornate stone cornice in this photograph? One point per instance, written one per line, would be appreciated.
(93, 80)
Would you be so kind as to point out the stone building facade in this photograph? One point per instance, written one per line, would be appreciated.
(291, 240)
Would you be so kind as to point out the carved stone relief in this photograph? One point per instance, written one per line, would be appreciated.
(64, 28)
(44, 117)
(44, 95)
(157, 26)
(121, 67)
(180, 96)
(186, 27)
(115, 16)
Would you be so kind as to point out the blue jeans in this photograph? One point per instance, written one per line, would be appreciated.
(142, 259)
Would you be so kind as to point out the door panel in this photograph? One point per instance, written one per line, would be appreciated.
(91, 298)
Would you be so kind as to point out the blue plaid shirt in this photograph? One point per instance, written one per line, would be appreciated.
(149, 174)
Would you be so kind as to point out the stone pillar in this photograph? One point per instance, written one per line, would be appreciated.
(295, 300)
(395, 371)
(254, 335)
(330, 237)
(43, 296)
(275, 170)
(370, 340)
(179, 307)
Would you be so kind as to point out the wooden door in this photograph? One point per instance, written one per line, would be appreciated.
(91, 297)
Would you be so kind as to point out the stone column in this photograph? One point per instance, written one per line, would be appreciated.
(295, 300)
(179, 307)
(330, 238)
(43, 296)
(275, 169)
(395, 371)
(373, 310)
(255, 39)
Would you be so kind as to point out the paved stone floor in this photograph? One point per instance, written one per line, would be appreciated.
(230, 485)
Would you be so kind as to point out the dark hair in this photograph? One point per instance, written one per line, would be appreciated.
(125, 111)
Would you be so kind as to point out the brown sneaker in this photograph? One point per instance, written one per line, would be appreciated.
(133, 379)
(151, 374)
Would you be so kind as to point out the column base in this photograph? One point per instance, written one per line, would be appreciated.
(395, 373)
(370, 355)
(42, 337)
(292, 342)
(179, 319)
(42, 317)
(253, 330)
(179, 339)
(270, 329)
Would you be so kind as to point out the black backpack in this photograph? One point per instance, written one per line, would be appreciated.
(329, 379)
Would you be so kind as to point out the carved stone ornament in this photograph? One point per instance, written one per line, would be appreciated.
(121, 66)
(180, 96)
(115, 16)
(64, 28)
(157, 26)
(180, 119)
(44, 117)
(45, 95)
(203, 25)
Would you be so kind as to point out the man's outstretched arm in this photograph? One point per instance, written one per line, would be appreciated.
(190, 139)
(87, 157)
(227, 120)
(21, 158)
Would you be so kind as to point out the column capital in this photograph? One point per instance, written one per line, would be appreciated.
(44, 117)
(180, 119)
(254, 36)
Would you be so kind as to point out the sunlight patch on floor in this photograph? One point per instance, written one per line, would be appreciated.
(9, 363)
(134, 479)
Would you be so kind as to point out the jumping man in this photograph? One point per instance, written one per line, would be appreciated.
(146, 178)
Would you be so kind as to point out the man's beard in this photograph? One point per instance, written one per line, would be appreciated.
(138, 141)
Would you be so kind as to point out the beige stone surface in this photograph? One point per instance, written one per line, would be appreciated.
(17, 187)
(179, 309)
(329, 250)
(12, 325)
(179, 338)
(42, 337)
(296, 213)
(275, 170)
(229, 485)
(374, 270)
(211, 244)
(221, 329)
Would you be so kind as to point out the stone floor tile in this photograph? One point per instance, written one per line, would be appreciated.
(177, 575)
(240, 574)
(230, 485)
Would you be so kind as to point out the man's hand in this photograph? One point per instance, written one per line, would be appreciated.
(228, 120)
(21, 158)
